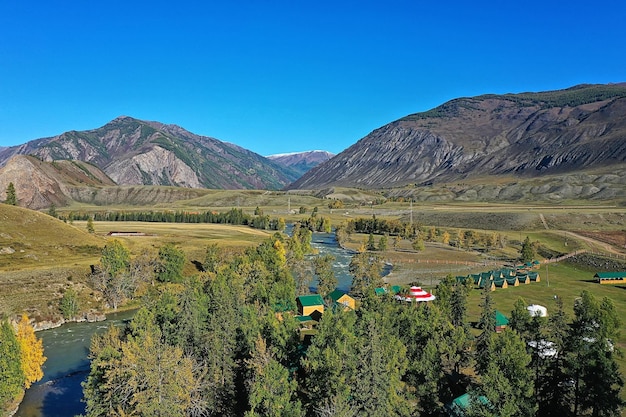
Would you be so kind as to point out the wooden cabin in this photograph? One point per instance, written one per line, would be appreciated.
(501, 322)
(341, 298)
(610, 277)
(309, 304)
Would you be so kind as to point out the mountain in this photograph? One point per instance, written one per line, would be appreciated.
(136, 152)
(301, 162)
(40, 184)
(512, 136)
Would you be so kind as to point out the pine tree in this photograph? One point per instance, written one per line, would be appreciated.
(591, 362)
(507, 379)
(11, 195)
(271, 390)
(527, 252)
(11, 373)
(31, 349)
(487, 324)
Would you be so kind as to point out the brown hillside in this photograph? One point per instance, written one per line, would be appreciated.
(518, 136)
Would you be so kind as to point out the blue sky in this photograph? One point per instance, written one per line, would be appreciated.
(286, 76)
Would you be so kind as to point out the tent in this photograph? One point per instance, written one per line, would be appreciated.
(415, 294)
(537, 310)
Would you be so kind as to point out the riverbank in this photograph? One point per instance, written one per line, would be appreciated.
(59, 393)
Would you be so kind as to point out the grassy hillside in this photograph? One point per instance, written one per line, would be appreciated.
(40, 256)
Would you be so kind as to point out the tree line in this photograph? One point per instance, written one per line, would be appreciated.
(226, 342)
(396, 230)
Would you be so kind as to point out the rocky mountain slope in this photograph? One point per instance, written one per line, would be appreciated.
(40, 184)
(136, 152)
(512, 137)
(301, 162)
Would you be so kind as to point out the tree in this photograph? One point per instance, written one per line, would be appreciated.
(115, 258)
(527, 252)
(31, 351)
(445, 238)
(330, 362)
(52, 211)
(280, 225)
(520, 318)
(138, 374)
(213, 258)
(69, 304)
(271, 390)
(11, 373)
(11, 195)
(382, 362)
(591, 360)
(552, 386)
(371, 245)
(487, 324)
(367, 269)
(382, 243)
(507, 380)
(90, 228)
(323, 268)
(431, 234)
(170, 263)
(418, 244)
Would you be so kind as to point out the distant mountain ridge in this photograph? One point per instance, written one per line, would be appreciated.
(524, 135)
(301, 162)
(136, 152)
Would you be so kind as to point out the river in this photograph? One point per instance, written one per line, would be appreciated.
(325, 243)
(59, 393)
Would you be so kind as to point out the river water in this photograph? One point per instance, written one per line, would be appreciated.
(59, 393)
(325, 243)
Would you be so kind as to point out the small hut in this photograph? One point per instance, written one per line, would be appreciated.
(501, 322)
(309, 304)
(341, 298)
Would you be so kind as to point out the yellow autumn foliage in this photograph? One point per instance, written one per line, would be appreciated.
(31, 349)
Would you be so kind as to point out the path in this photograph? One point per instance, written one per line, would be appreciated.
(543, 220)
(605, 246)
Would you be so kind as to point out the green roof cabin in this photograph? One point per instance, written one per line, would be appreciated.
(610, 277)
(501, 322)
(308, 304)
(460, 405)
(341, 298)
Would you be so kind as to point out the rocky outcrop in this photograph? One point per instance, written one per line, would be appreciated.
(89, 316)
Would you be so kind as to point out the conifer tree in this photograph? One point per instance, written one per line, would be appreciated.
(11, 373)
(487, 324)
(271, 390)
(527, 252)
(11, 195)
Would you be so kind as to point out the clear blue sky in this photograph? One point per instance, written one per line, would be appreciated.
(284, 76)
